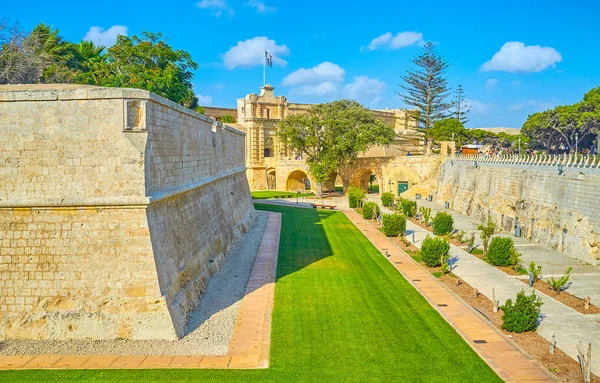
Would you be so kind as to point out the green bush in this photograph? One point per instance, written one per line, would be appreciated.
(502, 252)
(370, 210)
(355, 196)
(443, 224)
(522, 315)
(387, 199)
(409, 207)
(435, 251)
(394, 224)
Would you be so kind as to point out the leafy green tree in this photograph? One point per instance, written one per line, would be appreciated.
(200, 109)
(41, 56)
(567, 126)
(228, 118)
(460, 107)
(443, 130)
(89, 62)
(148, 62)
(333, 134)
(426, 87)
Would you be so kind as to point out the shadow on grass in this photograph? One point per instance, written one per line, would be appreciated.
(307, 246)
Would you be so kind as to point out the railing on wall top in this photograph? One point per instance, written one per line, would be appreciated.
(557, 160)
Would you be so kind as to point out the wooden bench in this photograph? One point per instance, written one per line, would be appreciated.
(330, 207)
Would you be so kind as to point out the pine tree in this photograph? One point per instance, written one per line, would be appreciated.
(426, 87)
(460, 106)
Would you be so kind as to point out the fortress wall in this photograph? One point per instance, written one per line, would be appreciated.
(556, 210)
(116, 205)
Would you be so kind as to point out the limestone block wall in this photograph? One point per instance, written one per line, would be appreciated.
(555, 208)
(116, 206)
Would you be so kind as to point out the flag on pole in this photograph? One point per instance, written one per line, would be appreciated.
(268, 59)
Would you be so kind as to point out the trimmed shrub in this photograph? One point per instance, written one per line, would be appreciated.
(435, 251)
(522, 315)
(355, 196)
(409, 208)
(502, 252)
(443, 224)
(394, 224)
(370, 209)
(387, 199)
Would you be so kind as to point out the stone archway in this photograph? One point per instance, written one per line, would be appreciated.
(271, 179)
(362, 178)
(297, 181)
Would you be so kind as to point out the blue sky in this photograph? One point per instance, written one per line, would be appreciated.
(512, 57)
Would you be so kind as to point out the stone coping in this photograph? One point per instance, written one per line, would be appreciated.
(506, 358)
(68, 92)
(249, 345)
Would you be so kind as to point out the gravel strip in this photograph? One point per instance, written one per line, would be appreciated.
(209, 328)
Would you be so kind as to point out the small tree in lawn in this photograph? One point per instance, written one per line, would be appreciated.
(487, 231)
(426, 87)
(333, 134)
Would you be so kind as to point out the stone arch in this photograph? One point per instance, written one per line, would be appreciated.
(360, 178)
(271, 179)
(297, 180)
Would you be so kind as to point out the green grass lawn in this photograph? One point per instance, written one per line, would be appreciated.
(264, 194)
(342, 313)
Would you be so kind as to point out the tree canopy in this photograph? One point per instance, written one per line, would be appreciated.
(443, 130)
(426, 87)
(145, 62)
(333, 134)
(567, 126)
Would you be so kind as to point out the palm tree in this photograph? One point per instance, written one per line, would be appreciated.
(90, 60)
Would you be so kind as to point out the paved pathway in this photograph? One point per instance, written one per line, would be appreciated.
(569, 326)
(501, 354)
(249, 346)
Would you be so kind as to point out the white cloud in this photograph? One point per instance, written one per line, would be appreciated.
(515, 56)
(491, 83)
(326, 88)
(479, 107)
(364, 90)
(401, 40)
(251, 53)
(260, 6)
(216, 7)
(106, 38)
(534, 105)
(324, 72)
(204, 100)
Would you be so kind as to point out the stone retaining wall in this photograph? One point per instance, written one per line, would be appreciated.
(553, 200)
(116, 205)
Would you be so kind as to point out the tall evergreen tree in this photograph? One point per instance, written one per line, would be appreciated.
(426, 87)
(460, 106)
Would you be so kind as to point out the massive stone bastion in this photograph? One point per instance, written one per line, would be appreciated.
(116, 206)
